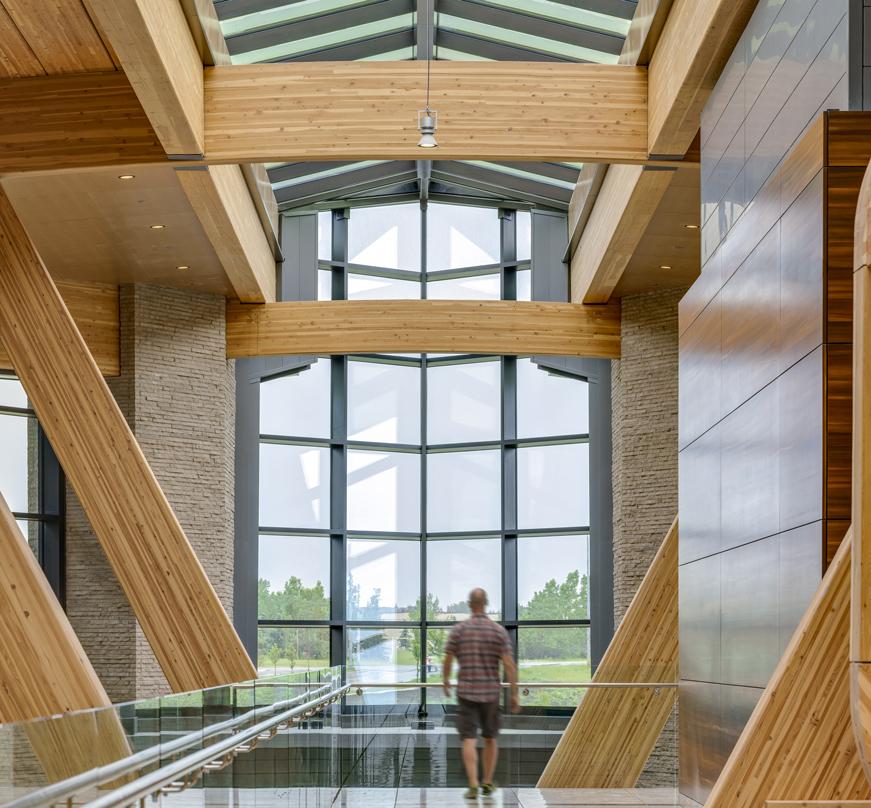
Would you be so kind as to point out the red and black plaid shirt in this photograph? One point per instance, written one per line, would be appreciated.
(478, 644)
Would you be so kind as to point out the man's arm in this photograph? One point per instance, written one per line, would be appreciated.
(446, 673)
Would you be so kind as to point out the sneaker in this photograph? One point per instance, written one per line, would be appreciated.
(471, 793)
(488, 788)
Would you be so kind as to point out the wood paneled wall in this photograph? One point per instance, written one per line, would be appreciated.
(613, 731)
(180, 614)
(765, 460)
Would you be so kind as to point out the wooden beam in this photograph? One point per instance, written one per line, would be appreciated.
(612, 733)
(644, 31)
(419, 326)
(798, 743)
(157, 51)
(818, 804)
(175, 604)
(55, 122)
(44, 670)
(696, 42)
(94, 307)
(626, 203)
(367, 111)
(860, 625)
(223, 204)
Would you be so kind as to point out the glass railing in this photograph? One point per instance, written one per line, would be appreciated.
(308, 731)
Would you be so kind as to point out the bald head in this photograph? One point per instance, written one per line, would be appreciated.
(478, 600)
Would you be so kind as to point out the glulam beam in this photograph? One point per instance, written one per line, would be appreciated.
(220, 197)
(44, 670)
(627, 200)
(423, 326)
(613, 731)
(696, 42)
(154, 44)
(173, 600)
(284, 112)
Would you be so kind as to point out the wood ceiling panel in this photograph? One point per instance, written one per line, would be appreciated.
(91, 226)
(61, 34)
(17, 59)
(667, 241)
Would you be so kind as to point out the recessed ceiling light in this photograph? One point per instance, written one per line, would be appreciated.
(158, 226)
(665, 266)
(126, 176)
(182, 266)
(691, 226)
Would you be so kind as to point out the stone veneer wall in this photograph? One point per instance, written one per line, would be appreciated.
(644, 394)
(177, 392)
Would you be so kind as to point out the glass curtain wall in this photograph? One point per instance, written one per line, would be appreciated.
(30, 479)
(391, 485)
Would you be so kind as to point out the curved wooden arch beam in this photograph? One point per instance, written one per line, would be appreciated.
(44, 670)
(179, 611)
(423, 326)
(860, 623)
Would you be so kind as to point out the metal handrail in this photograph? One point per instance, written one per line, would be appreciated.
(520, 685)
(194, 764)
(218, 755)
(63, 789)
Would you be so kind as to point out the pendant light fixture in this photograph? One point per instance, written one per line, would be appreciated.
(427, 119)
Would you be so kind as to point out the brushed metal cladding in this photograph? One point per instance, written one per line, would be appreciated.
(748, 613)
(750, 470)
(800, 456)
(699, 747)
(699, 619)
(800, 563)
(699, 497)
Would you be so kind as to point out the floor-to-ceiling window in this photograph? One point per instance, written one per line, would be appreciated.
(390, 485)
(30, 479)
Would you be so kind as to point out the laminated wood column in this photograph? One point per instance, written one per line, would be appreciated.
(179, 611)
(44, 670)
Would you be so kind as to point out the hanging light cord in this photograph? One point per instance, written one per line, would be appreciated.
(429, 49)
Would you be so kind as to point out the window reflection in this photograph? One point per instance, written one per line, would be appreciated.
(383, 491)
(464, 402)
(464, 491)
(386, 237)
(383, 580)
(549, 404)
(298, 404)
(383, 402)
(553, 486)
(461, 237)
(294, 486)
(456, 566)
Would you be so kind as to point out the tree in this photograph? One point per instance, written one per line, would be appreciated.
(566, 601)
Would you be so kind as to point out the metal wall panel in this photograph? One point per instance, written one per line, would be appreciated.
(699, 497)
(748, 613)
(699, 619)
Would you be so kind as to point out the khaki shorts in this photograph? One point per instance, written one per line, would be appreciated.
(475, 715)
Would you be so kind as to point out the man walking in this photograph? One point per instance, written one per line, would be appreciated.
(478, 644)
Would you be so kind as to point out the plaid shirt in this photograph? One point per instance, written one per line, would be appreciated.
(478, 644)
